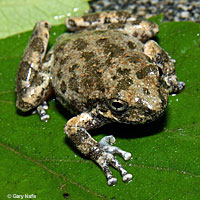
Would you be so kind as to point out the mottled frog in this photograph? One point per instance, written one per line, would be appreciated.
(106, 70)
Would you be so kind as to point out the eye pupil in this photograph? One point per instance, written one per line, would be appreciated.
(117, 105)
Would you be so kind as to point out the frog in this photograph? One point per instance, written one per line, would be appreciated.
(106, 68)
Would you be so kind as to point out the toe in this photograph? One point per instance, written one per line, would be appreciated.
(127, 177)
(127, 156)
(112, 181)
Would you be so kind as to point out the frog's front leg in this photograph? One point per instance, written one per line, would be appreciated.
(102, 153)
(166, 66)
(33, 77)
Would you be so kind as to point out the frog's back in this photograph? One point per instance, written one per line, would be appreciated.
(86, 65)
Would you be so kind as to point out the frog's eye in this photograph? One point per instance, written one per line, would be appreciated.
(117, 105)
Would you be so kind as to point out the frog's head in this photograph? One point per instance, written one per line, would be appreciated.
(139, 111)
(140, 97)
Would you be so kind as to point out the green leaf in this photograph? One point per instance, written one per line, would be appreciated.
(18, 16)
(157, 19)
(36, 157)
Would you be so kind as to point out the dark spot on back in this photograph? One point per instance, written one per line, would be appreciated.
(131, 45)
(73, 84)
(123, 71)
(88, 55)
(80, 44)
(113, 49)
(73, 67)
(93, 77)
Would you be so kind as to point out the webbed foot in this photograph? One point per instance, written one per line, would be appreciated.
(41, 110)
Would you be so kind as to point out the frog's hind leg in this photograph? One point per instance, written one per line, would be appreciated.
(94, 19)
(102, 153)
(116, 20)
(166, 66)
(33, 77)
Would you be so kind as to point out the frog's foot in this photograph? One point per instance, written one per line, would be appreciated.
(180, 85)
(173, 85)
(107, 142)
(107, 158)
(41, 110)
